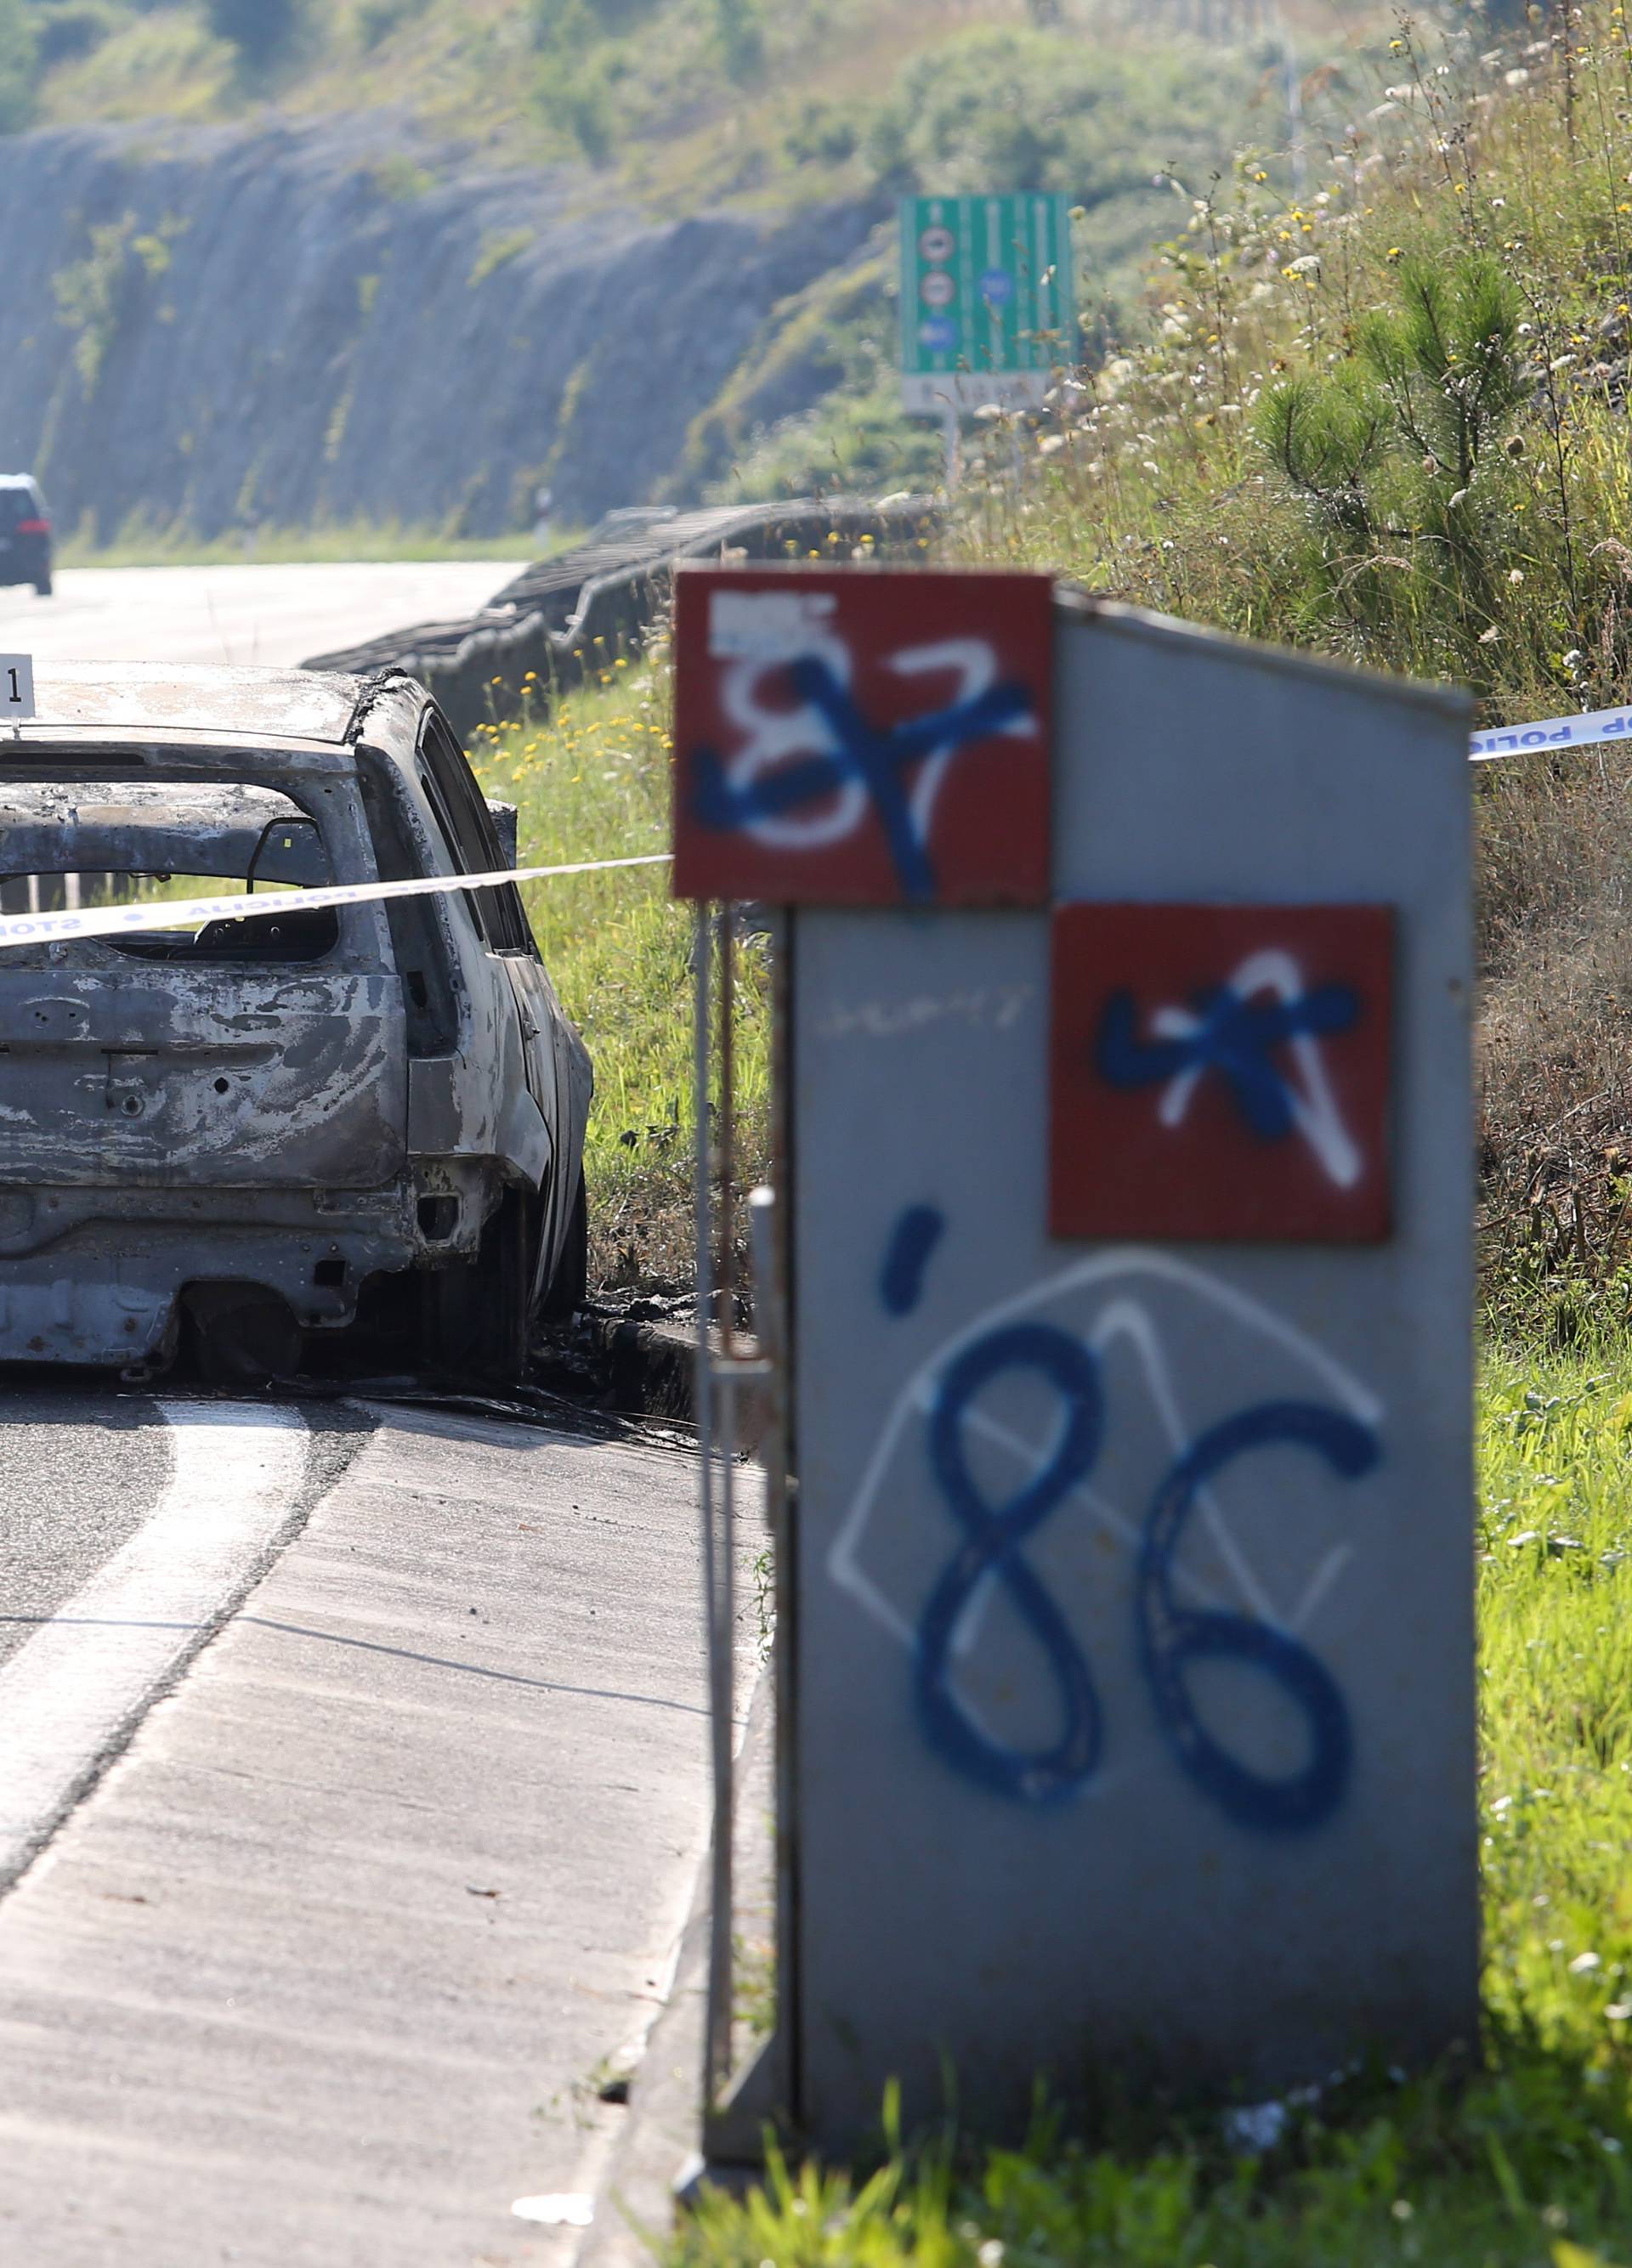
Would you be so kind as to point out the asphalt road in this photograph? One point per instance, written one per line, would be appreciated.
(352, 1796)
(275, 616)
(78, 1474)
(353, 1763)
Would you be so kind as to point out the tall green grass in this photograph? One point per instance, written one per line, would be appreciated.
(590, 780)
(1280, 454)
(1385, 419)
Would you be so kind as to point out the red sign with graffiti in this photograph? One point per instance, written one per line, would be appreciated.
(860, 737)
(1221, 1071)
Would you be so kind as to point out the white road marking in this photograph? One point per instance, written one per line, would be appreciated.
(86, 1677)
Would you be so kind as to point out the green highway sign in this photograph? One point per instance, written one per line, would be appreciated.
(988, 304)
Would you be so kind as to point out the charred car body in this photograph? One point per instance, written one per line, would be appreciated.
(372, 1116)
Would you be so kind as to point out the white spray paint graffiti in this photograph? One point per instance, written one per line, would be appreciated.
(757, 634)
(1313, 1106)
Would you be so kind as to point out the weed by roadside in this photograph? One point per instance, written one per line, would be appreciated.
(590, 780)
(1386, 419)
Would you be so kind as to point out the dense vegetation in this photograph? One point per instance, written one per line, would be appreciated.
(1386, 419)
(771, 104)
(594, 772)
(794, 85)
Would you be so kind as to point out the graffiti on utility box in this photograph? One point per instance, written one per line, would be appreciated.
(1127, 1609)
(1079, 1394)
(1221, 1072)
(829, 752)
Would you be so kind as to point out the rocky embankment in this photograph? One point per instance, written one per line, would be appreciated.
(236, 327)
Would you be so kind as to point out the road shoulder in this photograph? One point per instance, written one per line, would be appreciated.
(327, 1969)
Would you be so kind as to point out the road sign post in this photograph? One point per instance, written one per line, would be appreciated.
(1129, 1652)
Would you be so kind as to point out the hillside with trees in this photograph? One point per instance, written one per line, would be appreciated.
(645, 115)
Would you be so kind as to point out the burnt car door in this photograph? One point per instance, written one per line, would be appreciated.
(557, 1064)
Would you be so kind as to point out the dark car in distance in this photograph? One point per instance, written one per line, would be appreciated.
(24, 534)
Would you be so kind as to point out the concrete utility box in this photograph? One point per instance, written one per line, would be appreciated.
(1101, 1759)
(1130, 1701)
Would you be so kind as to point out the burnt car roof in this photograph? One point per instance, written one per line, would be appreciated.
(157, 697)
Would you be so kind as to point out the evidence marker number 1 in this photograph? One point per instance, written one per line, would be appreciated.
(17, 686)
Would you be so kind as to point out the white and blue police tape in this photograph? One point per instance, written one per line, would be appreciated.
(1594, 728)
(1586, 732)
(193, 913)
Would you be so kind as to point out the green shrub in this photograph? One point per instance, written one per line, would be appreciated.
(848, 445)
(739, 30)
(65, 33)
(263, 31)
(566, 23)
(1394, 452)
(579, 96)
(18, 63)
(824, 133)
(1088, 122)
(377, 19)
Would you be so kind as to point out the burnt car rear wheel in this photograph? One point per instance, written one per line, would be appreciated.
(478, 1319)
(569, 1286)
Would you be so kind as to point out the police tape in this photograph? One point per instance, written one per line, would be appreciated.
(193, 913)
(1586, 731)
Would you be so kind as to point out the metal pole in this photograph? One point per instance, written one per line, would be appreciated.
(723, 1651)
(717, 2029)
(725, 927)
(1295, 114)
(954, 449)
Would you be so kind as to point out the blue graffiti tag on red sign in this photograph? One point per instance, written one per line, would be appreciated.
(862, 737)
(1221, 1072)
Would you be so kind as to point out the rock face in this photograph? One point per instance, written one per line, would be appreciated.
(232, 327)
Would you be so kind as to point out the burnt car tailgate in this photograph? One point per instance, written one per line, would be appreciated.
(225, 1077)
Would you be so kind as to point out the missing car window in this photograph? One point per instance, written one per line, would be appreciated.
(81, 842)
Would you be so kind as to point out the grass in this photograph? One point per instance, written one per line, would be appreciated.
(1524, 2161)
(1554, 1532)
(591, 780)
(352, 540)
(1385, 420)
(1495, 216)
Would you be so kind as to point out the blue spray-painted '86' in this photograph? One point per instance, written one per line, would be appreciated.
(1170, 1638)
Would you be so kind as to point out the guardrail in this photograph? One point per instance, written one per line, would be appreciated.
(563, 617)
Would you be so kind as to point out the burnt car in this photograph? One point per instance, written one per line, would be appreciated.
(367, 1119)
(24, 534)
